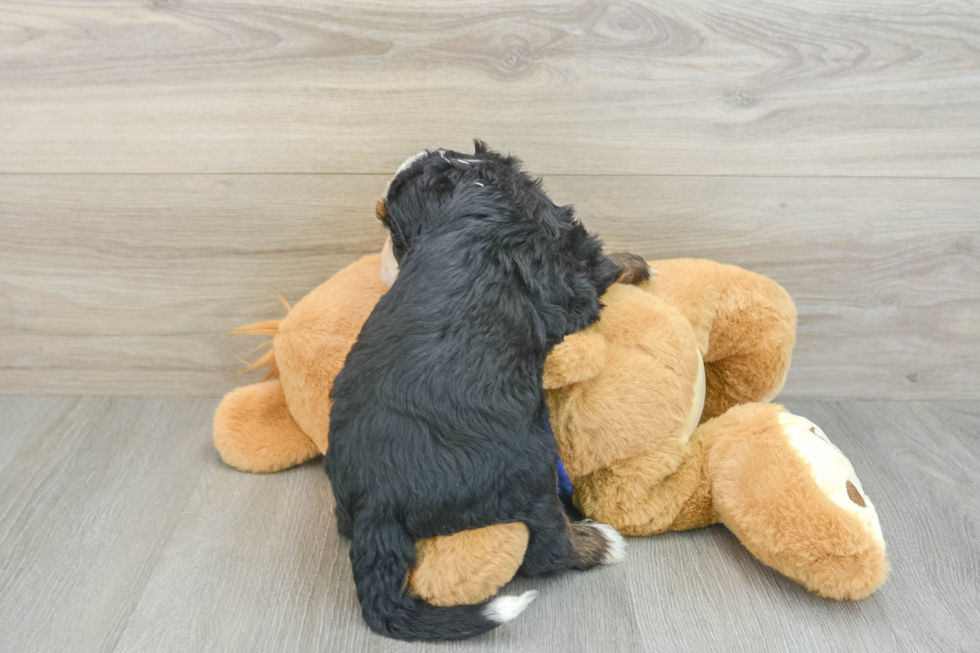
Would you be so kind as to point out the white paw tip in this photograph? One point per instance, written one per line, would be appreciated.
(506, 608)
(617, 545)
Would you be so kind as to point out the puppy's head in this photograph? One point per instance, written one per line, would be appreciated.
(413, 203)
(543, 245)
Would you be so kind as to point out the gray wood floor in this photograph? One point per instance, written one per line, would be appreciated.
(121, 530)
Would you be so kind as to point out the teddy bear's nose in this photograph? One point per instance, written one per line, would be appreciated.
(855, 496)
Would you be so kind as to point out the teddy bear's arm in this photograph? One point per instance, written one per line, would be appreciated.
(745, 324)
(579, 357)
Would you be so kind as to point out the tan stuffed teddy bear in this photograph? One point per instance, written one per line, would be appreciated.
(652, 411)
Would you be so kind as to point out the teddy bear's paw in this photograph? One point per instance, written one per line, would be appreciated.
(831, 471)
(505, 608)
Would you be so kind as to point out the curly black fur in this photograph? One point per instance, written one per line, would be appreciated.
(438, 419)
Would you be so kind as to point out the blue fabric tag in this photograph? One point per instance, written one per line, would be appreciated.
(564, 483)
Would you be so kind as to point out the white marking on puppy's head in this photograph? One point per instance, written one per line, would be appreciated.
(506, 608)
(405, 166)
(412, 159)
(409, 161)
(389, 266)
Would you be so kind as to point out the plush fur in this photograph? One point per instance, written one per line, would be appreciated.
(744, 323)
(765, 494)
(621, 395)
(469, 566)
(438, 417)
(687, 476)
(624, 399)
(276, 442)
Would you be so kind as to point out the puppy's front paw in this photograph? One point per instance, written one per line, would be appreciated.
(632, 269)
(596, 544)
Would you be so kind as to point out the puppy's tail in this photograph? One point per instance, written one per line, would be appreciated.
(381, 556)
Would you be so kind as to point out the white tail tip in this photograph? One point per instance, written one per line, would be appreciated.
(617, 545)
(506, 608)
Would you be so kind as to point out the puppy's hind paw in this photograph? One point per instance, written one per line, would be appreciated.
(596, 544)
(616, 550)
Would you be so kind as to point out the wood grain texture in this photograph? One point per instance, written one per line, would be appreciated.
(86, 503)
(702, 88)
(121, 530)
(127, 284)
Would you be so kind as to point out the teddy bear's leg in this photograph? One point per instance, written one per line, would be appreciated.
(745, 324)
(794, 500)
(254, 431)
(467, 567)
(650, 493)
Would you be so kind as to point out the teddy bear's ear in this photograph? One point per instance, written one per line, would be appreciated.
(579, 357)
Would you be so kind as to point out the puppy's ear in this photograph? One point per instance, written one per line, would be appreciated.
(588, 287)
(588, 272)
(567, 285)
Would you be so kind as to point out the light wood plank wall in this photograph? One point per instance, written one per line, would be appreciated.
(167, 167)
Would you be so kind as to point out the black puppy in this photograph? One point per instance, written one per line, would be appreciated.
(438, 419)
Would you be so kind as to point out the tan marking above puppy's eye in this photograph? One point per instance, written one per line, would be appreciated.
(380, 209)
(855, 496)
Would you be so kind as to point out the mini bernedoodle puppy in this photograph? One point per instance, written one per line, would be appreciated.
(438, 419)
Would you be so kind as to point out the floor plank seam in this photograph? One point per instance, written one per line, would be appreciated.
(118, 630)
